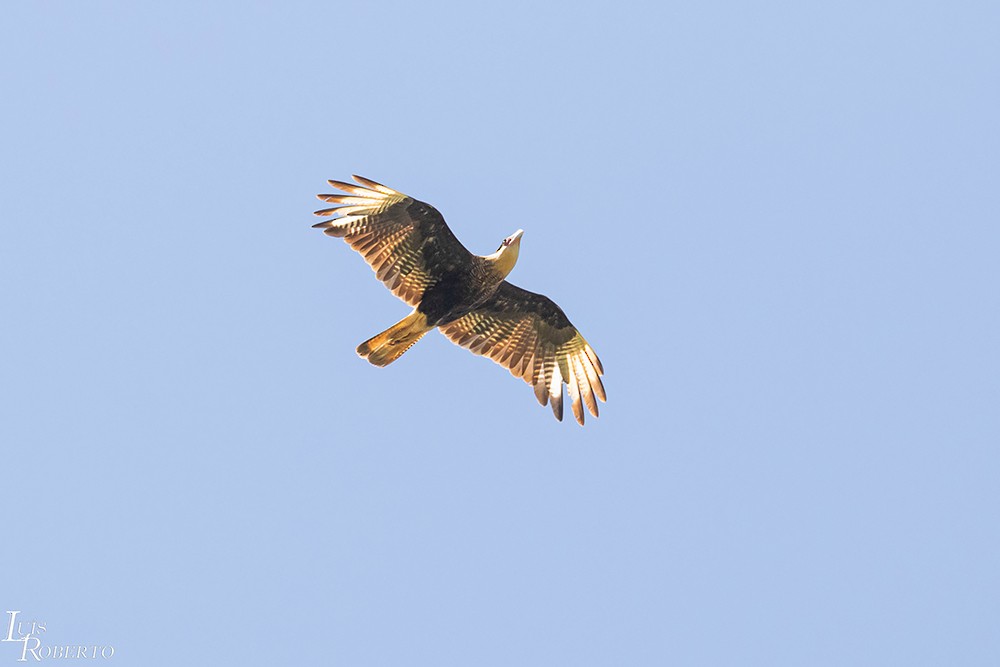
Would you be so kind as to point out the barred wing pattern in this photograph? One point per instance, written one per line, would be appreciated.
(529, 334)
(396, 235)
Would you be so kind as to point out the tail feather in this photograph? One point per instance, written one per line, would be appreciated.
(386, 347)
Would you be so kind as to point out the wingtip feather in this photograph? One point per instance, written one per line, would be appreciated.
(556, 401)
(378, 187)
(541, 393)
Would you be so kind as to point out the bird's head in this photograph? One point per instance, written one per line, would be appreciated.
(506, 255)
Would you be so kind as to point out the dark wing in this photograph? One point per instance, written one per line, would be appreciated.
(530, 336)
(405, 241)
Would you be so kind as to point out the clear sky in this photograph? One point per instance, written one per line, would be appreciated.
(778, 223)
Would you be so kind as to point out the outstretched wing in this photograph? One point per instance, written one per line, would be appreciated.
(405, 241)
(531, 336)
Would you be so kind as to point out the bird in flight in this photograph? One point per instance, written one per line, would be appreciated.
(411, 249)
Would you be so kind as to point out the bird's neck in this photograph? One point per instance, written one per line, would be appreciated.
(503, 260)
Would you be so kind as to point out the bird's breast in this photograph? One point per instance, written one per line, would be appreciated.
(456, 293)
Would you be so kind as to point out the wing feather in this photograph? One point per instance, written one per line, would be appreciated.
(530, 336)
(378, 187)
(586, 389)
(556, 393)
(350, 187)
(393, 232)
(573, 386)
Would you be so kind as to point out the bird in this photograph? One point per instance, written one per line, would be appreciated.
(465, 296)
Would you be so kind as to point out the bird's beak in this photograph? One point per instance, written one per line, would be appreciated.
(516, 236)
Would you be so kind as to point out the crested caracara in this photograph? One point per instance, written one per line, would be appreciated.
(466, 296)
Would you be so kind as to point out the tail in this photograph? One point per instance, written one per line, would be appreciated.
(390, 345)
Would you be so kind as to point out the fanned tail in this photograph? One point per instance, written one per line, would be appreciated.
(386, 347)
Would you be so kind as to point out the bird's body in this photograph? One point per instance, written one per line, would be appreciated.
(466, 296)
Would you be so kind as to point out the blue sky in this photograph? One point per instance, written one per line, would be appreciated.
(775, 222)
